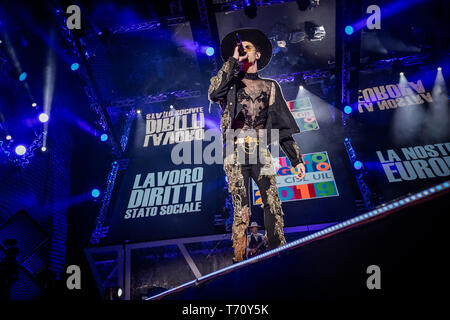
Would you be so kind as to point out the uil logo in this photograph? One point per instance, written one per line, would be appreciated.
(74, 20)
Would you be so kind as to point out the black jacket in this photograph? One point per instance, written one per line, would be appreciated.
(223, 91)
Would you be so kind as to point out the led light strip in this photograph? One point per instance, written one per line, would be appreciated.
(393, 205)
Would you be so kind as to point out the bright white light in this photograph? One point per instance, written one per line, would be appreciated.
(401, 73)
(439, 69)
(44, 149)
(21, 150)
(43, 117)
(34, 104)
(138, 111)
(8, 137)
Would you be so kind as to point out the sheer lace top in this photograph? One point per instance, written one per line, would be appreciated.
(253, 94)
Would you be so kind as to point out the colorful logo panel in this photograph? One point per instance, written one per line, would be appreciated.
(304, 114)
(318, 181)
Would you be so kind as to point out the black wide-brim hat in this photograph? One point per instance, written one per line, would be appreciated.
(255, 36)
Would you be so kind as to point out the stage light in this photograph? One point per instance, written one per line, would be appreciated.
(43, 117)
(8, 137)
(21, 150)
(113, 293)
(95, 193)
(34, 104)
(348, 30)
(314, 32)
(250, 8)
(210, 51)
(357, 164)
(347, 109)
(104, 137)
(23, 76)
(171, 106)
(43, 149)
(439, 69)
(346, 139)
(138, 111)
(74, 66)
(301, 87)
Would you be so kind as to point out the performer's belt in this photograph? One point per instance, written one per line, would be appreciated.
(246, 139)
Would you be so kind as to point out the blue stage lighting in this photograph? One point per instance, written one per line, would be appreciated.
(347, 109)
(74, 66)
(346, 139)
(43, 117)
(357, 164)
(104, 137)
(23, 76)
(21, 150)
(348, 30)
(210, 51)
(95, 193)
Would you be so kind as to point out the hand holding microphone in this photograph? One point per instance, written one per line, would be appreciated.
(239, 51)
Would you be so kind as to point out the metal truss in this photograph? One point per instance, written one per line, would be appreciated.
(348, 88)
(89, 88)
(308, 76)
(131, 115)
(101, 230)
(388, 63)
(148, 25)
(239, 4)
(154, 98)
(203, 12)
(360, 176)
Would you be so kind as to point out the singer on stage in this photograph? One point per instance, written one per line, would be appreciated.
(252, 104)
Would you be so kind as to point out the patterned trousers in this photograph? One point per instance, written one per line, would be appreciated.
(263, 173)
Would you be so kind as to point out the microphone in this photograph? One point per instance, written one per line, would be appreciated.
(240, 46)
